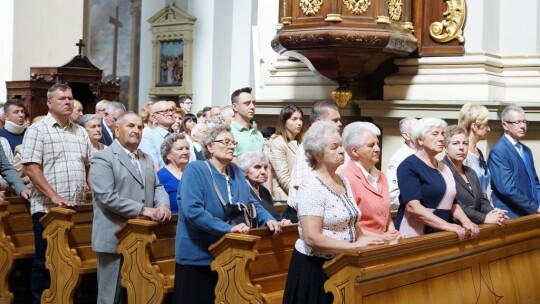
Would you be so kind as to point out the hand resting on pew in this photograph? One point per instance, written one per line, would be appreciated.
(161, 214)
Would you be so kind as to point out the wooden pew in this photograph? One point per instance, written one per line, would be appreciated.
(149, 261)
(501, 265)
(16, 240)
(69, 252)
(253, 268)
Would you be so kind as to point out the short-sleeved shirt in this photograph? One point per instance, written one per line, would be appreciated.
(339, 212)
(435, 188)
(248, 139)
(151, 144)
(63, 154)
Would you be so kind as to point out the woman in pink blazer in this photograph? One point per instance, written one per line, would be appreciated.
(369, 185)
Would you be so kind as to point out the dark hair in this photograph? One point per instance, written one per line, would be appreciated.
(320, 109)
(284, 115)
(268, 132)
(58, 86)
(187, 118)
(235, 94)
(183, 98)
(14, 102)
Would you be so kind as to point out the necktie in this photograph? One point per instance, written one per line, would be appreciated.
(529, 168)
(135, 163)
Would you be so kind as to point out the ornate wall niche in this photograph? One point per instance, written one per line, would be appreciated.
(172, 41)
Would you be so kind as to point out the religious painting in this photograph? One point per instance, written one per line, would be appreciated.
(109, 41)
(171, 59)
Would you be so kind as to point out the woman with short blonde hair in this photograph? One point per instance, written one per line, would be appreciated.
(474, 118)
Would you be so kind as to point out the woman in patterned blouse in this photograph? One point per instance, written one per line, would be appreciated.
(328, 217)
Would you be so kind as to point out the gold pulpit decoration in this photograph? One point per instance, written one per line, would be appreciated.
(172, 52)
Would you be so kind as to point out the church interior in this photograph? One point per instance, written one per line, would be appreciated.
(379, 60)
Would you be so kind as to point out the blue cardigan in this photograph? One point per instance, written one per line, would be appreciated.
(201, 214)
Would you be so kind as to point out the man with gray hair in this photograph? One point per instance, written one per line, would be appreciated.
(321, 111)
(101, 107)
(112, 112)
(227, 115)
(513, 177)
(162, 113)
(197, 134)
(404, 151)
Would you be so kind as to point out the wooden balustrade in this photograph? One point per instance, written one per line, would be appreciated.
(69, 252)
(149, 261)
(16, 240)
(499, 266)
(252, 268)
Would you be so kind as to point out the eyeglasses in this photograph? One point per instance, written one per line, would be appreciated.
(519, 122)
(164, 111)
(227, 142)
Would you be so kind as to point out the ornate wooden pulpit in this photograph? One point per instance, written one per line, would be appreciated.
(84, 78)
(348, 40)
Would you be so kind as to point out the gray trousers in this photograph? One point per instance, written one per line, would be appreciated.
(108, 277)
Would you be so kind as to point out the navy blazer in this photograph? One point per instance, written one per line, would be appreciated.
(105, 137)
(510, 181)
(472, 200)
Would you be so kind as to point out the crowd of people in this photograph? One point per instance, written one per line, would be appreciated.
(167, 160)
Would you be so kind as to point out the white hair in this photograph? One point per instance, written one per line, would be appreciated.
(249, 158)
(353, 134)
(315, 139)
(424, 125)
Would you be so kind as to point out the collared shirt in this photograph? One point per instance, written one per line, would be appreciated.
(151, 144)
(63, 154)
(391, 173)
(136, 155)
(372, 176)
(514, 143)
(107, 129)
(248, 139)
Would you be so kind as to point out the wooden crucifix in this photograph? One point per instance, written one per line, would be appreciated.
(114, 21)
(81, 45)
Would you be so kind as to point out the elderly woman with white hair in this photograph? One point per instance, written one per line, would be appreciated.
(427, 187)
(255, 166)
(369, 185)
(328, 217)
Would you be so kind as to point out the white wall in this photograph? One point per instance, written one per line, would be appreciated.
(148, 9)
(45, 34)
(6, 51)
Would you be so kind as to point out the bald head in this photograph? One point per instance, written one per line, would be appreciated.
(77, 111)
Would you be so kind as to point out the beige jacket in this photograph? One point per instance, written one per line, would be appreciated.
(281, 157)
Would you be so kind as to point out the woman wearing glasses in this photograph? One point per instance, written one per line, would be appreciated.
(201, 220)
(474, 118)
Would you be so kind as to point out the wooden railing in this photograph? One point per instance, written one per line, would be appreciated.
(501, 265)
(149, 263)
(16, 240)
(253, 268)
(69, 252)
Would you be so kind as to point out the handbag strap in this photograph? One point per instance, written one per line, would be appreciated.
(215, 185)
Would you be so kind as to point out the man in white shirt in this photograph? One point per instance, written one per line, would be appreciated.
(408, 148)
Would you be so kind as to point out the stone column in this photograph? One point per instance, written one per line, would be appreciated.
(135, 9)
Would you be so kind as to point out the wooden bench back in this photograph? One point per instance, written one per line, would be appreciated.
(69, 250)
(501, 263)
(19, 227)
(16, 240)
(253, 268)
(149, 259)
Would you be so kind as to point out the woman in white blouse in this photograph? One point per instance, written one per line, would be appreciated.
(328, 217)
